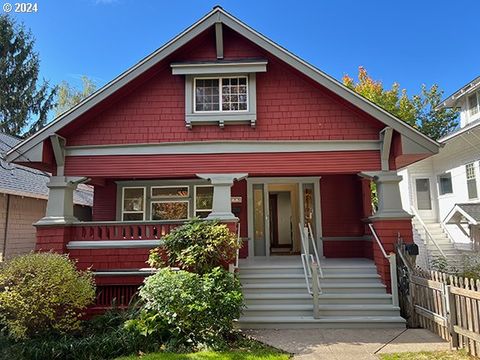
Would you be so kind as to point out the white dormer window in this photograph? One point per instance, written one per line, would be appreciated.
(474, 105)
(220, 92)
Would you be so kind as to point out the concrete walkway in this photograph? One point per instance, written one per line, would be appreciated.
(347, 344)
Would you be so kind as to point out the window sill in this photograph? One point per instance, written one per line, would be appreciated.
(221, 119)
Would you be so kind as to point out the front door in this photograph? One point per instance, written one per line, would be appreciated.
(423, 198)
(275, 208)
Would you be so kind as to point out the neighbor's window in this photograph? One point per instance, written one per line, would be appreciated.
(445, 183)
(203, 200)
(471, 181)
(221, 94)
(473, 104)
(133, 206)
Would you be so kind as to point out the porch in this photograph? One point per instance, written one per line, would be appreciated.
(132, 216)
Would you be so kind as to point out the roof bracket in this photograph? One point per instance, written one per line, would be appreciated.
(219, 40)
(386, 144)
(58, 145)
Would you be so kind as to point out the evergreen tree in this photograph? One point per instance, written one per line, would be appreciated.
(25, 101)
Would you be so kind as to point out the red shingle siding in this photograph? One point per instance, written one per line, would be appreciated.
(104, 202)
(289, 107)
(342, 207)
(109, 259)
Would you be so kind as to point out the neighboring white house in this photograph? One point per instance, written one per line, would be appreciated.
(443, 190)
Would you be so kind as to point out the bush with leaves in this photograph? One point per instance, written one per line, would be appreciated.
(43, 294)
(190, 309)
(103, 337)
(197, 246)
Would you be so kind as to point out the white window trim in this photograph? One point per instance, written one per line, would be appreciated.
(134, 212)
(195, 200)
(220, 94)
(440, 187)
(475, 174)
(169, 196)
(166, 202)
(477, 115)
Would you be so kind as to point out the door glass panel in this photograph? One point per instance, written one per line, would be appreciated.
(423, 194)
(308, 206)
(258, 220)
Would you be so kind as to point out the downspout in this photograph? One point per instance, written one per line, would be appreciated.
(5, 233)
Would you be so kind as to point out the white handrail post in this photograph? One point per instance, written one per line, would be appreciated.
(315, 290)
(392, 258)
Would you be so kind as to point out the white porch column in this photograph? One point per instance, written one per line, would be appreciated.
(60, 201)
(222, 203)
(388, 191)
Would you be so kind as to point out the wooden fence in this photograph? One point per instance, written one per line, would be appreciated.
(445, 304)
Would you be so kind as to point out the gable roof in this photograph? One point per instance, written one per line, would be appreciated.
(466, 89)
(215, 16)
(23, 181)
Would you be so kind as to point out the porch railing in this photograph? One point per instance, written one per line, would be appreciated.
(311, 266)
(392, 259)
(120, 230)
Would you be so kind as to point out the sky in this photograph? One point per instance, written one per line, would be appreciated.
(409, 42)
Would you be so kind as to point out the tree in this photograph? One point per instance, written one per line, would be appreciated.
(69, 96)
(420, 110)
(25, 101)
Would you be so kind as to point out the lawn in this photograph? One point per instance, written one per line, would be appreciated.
(431, 355)
(210, 355)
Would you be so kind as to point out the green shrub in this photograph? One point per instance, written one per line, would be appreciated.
(43, 294)
(198, 246)
(103, 337)
(190, 309)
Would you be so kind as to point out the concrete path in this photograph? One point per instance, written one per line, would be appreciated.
(347, 344)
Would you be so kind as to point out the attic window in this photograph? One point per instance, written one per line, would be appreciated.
(220, 92)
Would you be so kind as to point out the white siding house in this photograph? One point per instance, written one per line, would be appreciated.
(441, 190)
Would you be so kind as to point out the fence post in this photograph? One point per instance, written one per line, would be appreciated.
(451, 317)
(393, 277)
(315, 290)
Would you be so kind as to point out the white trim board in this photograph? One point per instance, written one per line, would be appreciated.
(223, 147)
(214, 16)
(113, 244)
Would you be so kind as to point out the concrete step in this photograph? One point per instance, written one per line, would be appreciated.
(279, 310)
(254, 278)
(352, 287)
(326, 322)
(305, 298)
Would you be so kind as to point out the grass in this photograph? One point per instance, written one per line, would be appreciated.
(242, 349)
(428, 355)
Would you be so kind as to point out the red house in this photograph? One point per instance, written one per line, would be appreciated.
(223, 123)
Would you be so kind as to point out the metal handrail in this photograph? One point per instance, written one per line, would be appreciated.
(392, 259)
(310, 261)
(427, 232)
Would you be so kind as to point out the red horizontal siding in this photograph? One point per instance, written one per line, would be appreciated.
(169, 166)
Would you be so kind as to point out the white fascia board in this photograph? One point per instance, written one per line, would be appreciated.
(219, 15)
(224, 147)
(218, 68)
(113, 244)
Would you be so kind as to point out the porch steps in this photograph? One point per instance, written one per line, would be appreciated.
(352, 295)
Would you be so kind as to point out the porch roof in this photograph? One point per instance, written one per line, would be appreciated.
(468, 213)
